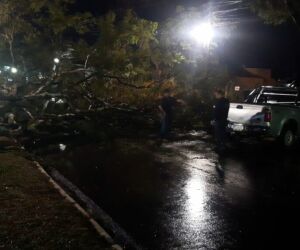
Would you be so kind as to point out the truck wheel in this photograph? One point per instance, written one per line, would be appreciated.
(288, 137)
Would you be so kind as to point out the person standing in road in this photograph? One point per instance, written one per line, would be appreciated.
(220, 116)
(166, 107)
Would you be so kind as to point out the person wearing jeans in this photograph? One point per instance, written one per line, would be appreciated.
(165, 126)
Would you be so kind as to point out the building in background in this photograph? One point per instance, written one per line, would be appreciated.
(247, 79)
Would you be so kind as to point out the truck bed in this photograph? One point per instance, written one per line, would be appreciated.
(247, 114)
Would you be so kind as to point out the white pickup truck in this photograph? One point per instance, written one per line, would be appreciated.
(268, 111)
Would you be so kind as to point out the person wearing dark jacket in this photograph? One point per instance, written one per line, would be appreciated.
(166, 107)
(220, 116)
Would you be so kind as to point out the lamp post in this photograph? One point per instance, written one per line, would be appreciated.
(56, 64)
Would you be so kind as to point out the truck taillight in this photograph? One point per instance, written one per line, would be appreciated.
(268, 116)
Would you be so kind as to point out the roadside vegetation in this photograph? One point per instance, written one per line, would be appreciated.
(113, 61)
(33, 215)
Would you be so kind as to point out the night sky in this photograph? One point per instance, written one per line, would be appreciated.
(251, 43)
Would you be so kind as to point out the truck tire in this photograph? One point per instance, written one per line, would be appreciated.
(288, 137)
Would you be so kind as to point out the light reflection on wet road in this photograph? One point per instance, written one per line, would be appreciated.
(172, 196)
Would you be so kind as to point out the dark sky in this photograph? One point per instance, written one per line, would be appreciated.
(251, 43)
(255, 44)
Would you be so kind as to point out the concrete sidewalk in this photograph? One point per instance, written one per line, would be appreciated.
(33, 215)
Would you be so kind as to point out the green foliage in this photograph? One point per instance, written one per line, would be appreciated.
(194, 67)
(12, 24)
(130, 58)
(124, 47)
(38, 25)
(143, 54)
(276, 12)
(122, 57)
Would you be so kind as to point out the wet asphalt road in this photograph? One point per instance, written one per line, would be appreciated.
(173, 196)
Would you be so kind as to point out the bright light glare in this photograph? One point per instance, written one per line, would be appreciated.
(203, 34)
(14, 70)
(60, 101)
(62, 147)
(56, 60)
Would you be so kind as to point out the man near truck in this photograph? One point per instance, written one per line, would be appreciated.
(220, 116)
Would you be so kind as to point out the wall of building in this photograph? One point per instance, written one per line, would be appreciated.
(241, 86)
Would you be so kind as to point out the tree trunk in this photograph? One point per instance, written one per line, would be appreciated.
(11, 50)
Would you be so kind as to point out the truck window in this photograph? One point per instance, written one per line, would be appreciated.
(277, 98)
(273, 95)
(262, 99)
(251, 97)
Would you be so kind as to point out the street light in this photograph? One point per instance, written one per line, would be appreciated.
(56, 60)
(14, 70)
(56, 65)
(203, 33)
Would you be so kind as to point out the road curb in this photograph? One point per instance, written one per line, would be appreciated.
(101, 232)
(117, 232)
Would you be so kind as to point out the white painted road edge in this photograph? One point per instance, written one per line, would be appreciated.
(102, 233)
